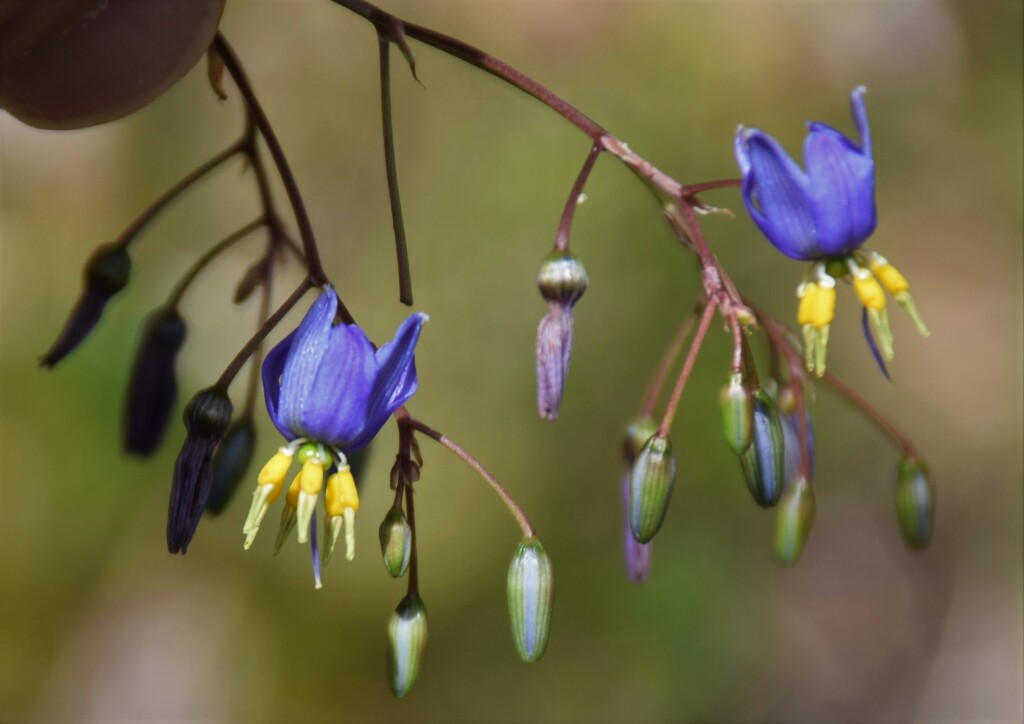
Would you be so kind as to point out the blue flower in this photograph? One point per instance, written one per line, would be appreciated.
(827, 210)
(824, 215)
(326, 382)
(329, 392)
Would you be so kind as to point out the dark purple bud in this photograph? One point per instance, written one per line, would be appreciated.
(207, 417)
(554, 349)
(231, 463)
(762, 462)
(153, 387)
(106, 273)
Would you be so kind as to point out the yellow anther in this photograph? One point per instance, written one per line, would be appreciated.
(341, 493)
(868, 289)
(823, 310)
(807, 294)
(312, 477)
(292, 498)
(274, 472)
(891, 279)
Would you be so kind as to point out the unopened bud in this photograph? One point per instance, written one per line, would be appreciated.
(638, 433)
(231, 463)
(106, 273)
(396, 542)
(793, 522)
(763, 460)
(562, 278)
(638, 555)
(791, 439)
(650, 487)
(531, 594)
(153, 386)
(407, 637)
(737, 413)
(207, 417)
(554, 351)
(915, 502)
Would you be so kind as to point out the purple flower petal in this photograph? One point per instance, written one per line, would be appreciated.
(842, 186)
(308, 348)
(273, 368)
(335, 412)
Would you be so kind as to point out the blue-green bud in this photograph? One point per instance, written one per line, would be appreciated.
(396, 542)
(407, 637)
(650, 487)
(763, 462)
(793, 522)
(638, 432)
(915, 502)
(562, 278)
(737, 413)
(531, 594)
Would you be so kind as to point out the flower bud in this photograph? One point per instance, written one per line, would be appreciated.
(153, 386)
(106, 273)
(793, 522)
(763, 461)
(737, 413)
(562, 278)
(231, 463)
(554, 350)
(531, 592)
(638, 433)
(915, 502)
(407, 637)
(791, 440)
(650, 487)
(396, 542)
(207, 417)
(638, 555)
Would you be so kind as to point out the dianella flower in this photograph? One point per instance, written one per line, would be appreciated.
(824, 214)
(328, 391)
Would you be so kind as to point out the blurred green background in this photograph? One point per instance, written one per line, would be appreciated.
(98, 622)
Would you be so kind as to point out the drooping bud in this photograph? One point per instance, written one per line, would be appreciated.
(791, 440)
(106, 273)
(650, 487)
(915, 502)
(207, 417)
(396, 542)
(562, 281)
(737, 413)
(638, 555)
(638, 432)
(407, 637)
(531, 595)
(763, 461)
(153, 386)
(231, 463)
(793, 522)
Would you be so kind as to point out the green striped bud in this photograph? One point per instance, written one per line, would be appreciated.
(793, 522)
(650, 487)
(562, 278)
(763, 462)
(915, 502)
(531, 593)
(396, 542)
(407, 637)
(737, 413)
(638, 432)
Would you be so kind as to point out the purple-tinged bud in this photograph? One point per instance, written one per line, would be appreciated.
(915, 502)
(737, 413)
(562, 281)
(407, 637)
(231, 463)
(650, 488)
(791, 440)
(763, 461)
(106, 273)
(207, 417)
(638, 433)
(396, 542)
(531, 595)
(562, 278)
(793, 521)
(638, 555)
(153, 386)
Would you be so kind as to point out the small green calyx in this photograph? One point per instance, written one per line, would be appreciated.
(638, 432)
(312, 451)
(562, 278)
(915, 502)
